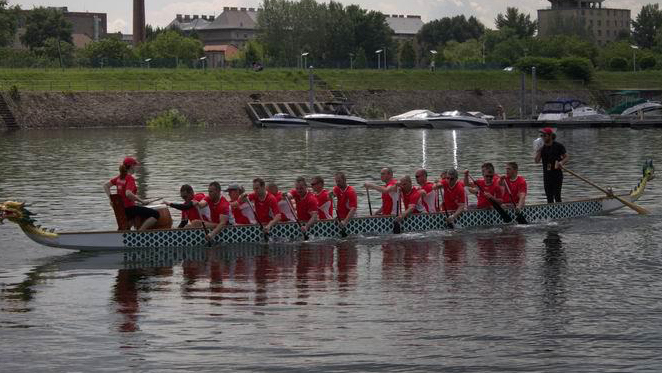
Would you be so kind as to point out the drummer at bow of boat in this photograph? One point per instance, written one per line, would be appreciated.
(347, 200)
(128, 192)
(487, 189)
(412, 199)
(389, 191)
(265, 205)
(306, 204)
(192, 209)
(454, 197)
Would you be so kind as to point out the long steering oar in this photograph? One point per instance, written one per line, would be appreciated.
(519, 216)
(296, 218)
(637, 208)
(266, 235)
(497, 206)
(369, 204)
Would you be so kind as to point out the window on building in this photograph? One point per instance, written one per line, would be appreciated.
(607, 23)
(599, 32)
(599, 23)
(608, 32)
(590, 22)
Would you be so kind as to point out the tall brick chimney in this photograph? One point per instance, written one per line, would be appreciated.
(138, 21)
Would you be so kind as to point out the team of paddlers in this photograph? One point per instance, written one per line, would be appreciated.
(268, 206)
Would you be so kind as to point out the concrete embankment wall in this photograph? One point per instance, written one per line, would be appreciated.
(110, 109)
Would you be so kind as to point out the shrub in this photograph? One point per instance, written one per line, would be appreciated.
(169, 119)
(647, 62)
(577, 68)
(618, 64)
(14, 93)
(546, 68)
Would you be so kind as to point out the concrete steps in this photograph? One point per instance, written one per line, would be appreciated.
(6, 114)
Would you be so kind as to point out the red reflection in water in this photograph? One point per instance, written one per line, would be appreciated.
(128, 284)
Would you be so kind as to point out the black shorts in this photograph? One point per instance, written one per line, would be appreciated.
(141, 211)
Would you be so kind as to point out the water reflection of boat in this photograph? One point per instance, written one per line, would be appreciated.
(373, 225)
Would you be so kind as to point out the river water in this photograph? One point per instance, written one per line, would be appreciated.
(579, 295)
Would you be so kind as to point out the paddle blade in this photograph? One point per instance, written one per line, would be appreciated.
(640, 210)
(397, 229)
(503, 213)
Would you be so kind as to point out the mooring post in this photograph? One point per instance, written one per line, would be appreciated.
(533, 92)
(311, 90)
(522, 94)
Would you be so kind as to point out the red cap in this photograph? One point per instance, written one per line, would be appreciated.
(130, 161)
(547, 130)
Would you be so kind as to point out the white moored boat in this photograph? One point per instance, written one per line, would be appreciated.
(335, 121)
(251, 234)
(415, 118)
(570, 110)
(282, 120)
(457, 119)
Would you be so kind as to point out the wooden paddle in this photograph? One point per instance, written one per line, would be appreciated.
(204, 227)
(266, 235)
(369, 204)
(497, 206)
(637, 208)
(296, 218)
(519, 217)
(341, 228)
(397, 229)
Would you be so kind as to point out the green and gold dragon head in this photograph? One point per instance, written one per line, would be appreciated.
(16, 212)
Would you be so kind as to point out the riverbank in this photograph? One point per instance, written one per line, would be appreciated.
(220, 108)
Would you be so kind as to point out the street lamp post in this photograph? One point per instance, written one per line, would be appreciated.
(432, 64)
(147, 60)
(304, 59)
(203, 62)
(379, 61)
(351, 61)
(385, 62)
(634, 57)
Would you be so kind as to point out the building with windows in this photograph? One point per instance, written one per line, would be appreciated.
(404, 27)
(86, 26)
(603, 24)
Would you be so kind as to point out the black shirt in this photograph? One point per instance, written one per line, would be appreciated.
(550, 154)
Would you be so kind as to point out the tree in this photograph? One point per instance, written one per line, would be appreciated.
(646, 25)
(521, 24)
(8, 23)
(171, 44)
(43, 23)
(441, 31)
(407, 55)
(361, 62)
(54, 49)
(468, 52)
(111, 48)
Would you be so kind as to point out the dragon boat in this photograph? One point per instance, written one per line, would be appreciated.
(326, 229)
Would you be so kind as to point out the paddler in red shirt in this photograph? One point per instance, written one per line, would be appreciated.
(219, 210)
(286, 212)
(347, 200)
(515, 186)
(486, 189)
(191, 208)
(307, 209)
(412, 198)
(454, 197)
(389, 192)
(324, 201)
(265, 205)
(431, 200)
(240, 211)
(128, 191)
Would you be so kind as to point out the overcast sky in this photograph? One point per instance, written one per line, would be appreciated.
(161, 12)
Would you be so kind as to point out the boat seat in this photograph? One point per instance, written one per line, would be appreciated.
(123, 223)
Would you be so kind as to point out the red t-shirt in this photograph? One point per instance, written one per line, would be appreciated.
(242, 214)
(265, 209)
(284, 206)
(431, 197)
(324, 204)
(222, 207)
(129, 183)
(413, 198)
(494, 189)
(454, 196)
(305, 205)
(193, 213)
(390, 200)
(346, 200)
(516, 187)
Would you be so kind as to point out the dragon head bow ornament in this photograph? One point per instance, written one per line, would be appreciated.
(16, 212)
